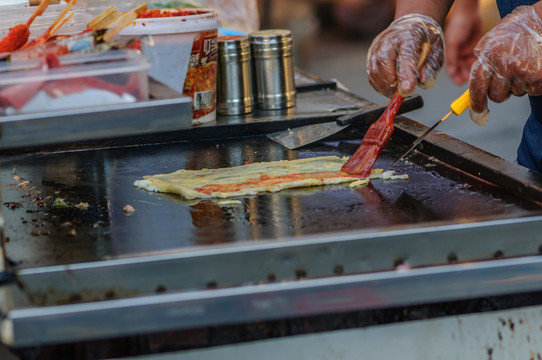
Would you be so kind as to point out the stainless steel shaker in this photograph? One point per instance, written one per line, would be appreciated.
(235, 93)
(273, 63)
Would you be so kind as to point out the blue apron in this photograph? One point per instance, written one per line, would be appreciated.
(530, 148)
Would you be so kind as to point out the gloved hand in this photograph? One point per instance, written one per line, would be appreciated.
(508, 62)
(393, 55)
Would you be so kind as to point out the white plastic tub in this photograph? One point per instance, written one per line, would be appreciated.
(184, 54)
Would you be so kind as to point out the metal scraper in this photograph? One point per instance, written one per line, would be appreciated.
(304, 135)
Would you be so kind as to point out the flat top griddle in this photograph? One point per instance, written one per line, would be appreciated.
(42, 231)
(465, 225)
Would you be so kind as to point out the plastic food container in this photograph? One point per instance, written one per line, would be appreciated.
(95, 7)
(184, 54)
(26, 11)
(75, 25)
(72, 81)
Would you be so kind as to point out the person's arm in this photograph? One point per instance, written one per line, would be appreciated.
(393, 55)
(538, 8)
(433, 8)
(462, 32)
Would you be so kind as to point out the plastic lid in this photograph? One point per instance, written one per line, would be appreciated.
(74, 66)
(26, 11)
(207, 19)
(234, 45)
(271, 43)
(273, 35)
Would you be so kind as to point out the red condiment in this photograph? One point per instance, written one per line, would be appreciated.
(374, 141)
(268, 180)
(15, 39)
(157, 13)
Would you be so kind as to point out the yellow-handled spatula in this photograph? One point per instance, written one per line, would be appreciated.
(457, 107)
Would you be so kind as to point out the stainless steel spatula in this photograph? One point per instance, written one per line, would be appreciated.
(304, 135)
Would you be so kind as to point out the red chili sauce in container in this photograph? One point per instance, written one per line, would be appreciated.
(158, 13)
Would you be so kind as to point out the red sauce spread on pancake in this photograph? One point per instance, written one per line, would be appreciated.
(268, 180)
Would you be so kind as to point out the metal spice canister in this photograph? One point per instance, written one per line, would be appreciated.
(273, 59)
(235, 94)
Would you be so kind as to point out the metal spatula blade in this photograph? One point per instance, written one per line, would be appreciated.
(308, 134)
(304, 135)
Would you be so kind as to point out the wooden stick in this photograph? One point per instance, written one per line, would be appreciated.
(37, 2)
(140, 10)
(424, 53)
(124, 20)
(104, 19)
(60, 24)
(40, 10)
(59, 18)
(47, 34)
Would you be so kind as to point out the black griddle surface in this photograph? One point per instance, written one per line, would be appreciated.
(41, 232)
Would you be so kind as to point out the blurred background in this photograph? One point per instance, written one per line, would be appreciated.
(332, 38)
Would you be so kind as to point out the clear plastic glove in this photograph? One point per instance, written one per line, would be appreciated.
(508, 62)
(461, 35)
(393, 55)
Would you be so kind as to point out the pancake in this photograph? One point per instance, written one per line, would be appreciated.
(251, 179)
